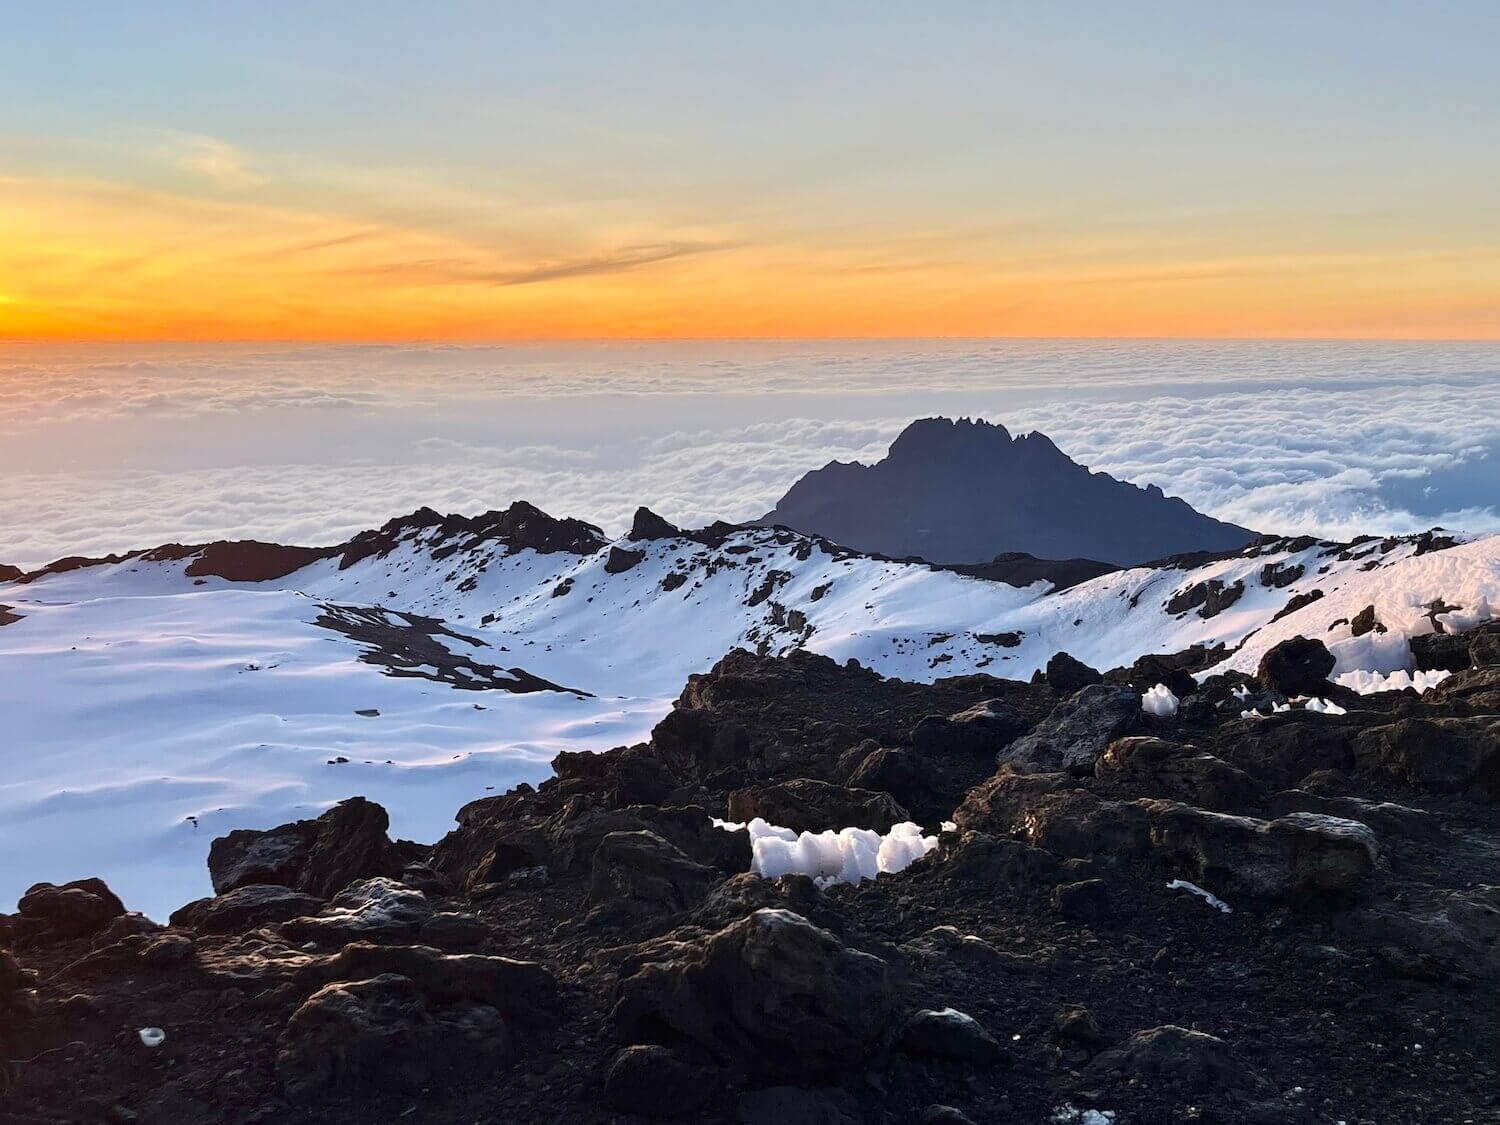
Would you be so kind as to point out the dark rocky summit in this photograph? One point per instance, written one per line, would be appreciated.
(595, 950)
(966, 492)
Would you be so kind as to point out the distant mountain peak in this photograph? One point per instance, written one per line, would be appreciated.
(965, 490)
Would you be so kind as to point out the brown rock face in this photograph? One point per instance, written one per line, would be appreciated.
(771, 992)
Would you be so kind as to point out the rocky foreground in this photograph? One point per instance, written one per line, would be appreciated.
(597, 950)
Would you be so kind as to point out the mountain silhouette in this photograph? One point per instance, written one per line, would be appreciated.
(965, 491)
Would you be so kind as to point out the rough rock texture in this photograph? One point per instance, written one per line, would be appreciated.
(593, 950)
(1077, 731)
(1297, 666)
(640, 873)
(805, 805)
(771, 993)
(1068, 675)
(320, 857)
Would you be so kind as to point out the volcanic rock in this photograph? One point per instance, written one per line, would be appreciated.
(771, 993)
(1296, 666)
(805, 805)
(1077, 731)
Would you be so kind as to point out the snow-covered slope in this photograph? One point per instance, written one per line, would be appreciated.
(152, 704)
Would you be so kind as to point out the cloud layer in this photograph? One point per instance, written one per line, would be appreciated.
(103, 450)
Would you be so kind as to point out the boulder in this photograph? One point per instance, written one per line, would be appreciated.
(1281, 750)
(1440, 652)
(1177, 1059)
(56, 913)
(520, 990)
(648, 525)
(984, 728)
(366, 1033)
(1301, 857)
(1296, 666)
(639, 874)
(1159, 668)
(622, 559)
(1076, 732)
(950, 1034)
(655, 1082)
(771, 993)
(912, 779)
(576, 833)
(319, 857)
(1067, 675)
(805, 805)
(1439, 754)
(1477, 688)
(1152, 767)
(994, 861)
(372, 908)
(245, 908)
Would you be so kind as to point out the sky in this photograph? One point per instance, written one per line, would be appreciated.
(341, 172)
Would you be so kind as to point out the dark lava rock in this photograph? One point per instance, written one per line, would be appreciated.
(366, 1032)
(1302, 857)
(1173, 669)
(648, 525)
(1152, 767)
(320, 857)
(1478, 688)
(1077, 731)
(639, 874)
(984, 728)
(805, 805)
(245, 908)
(656, 1082)
(911, 778)
(576, 833)
(371, 908)
(84, 906)
(1281, 750)
(1445, 652)
(950, 1034)
(1438, 754)
(1174, 1057)
(16, 983)
(1068, 675)
(622, 559)
(520, 990)
(1296, 666)
(771, 993)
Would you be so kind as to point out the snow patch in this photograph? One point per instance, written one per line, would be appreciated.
(847, 855)
(1367, 683)
(1159, 701)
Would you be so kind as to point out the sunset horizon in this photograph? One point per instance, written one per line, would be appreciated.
(842, 563)
(676, 173)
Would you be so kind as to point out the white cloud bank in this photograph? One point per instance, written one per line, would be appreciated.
(106, 449)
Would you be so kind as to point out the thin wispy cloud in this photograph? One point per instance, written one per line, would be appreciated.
(215, 160)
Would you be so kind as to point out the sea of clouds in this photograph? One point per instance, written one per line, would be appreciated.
(105, 448)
